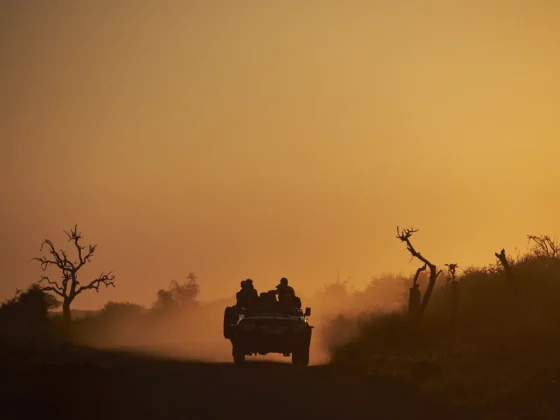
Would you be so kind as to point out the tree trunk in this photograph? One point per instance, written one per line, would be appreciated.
(516, 303)
(429, 289)
(66, 314)
(414, 300)
(503, 259)
(454, 302)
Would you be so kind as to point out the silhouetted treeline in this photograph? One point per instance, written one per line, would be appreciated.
(488, 335)
(24, 318)
(129, 324)
(494, 337)
(30, 318)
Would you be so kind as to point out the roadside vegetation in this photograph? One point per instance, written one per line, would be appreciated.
(483, 339)
(487, 340)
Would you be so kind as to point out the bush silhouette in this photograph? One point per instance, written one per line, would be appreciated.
(501, 341)
(179, 295)
(29, 306)
(24, 318)
(117, 310)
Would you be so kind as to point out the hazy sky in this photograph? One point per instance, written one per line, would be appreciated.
(270, 138)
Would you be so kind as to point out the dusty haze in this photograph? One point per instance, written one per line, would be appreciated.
(194, 332)
(268, 139)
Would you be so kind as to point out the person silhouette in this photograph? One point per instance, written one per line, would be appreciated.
(252, 294)
(286, 294)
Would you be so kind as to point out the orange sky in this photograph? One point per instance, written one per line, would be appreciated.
(275, 138)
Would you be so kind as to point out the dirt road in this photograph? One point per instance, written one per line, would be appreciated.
(104, 385)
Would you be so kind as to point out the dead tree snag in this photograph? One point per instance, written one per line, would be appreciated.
(404, 236)
(503, 260)
(414, 299)
(68, 287)
(454, 284)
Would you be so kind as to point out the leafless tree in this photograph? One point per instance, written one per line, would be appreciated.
(414, 298)
(545, 246)
(451, 268)
(404, 236)
(503, 260)
(516, 302)
(454, 284)
(68, 287)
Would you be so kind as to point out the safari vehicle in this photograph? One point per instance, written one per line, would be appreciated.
(258, 331)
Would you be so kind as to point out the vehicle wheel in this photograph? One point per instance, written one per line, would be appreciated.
(295, 358)
(229, 318)
(238, 355)
(304, 361)
(300, 357)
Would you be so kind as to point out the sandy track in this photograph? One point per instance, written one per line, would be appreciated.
(102, 385)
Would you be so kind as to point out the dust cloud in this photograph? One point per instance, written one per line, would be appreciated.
(196, 332)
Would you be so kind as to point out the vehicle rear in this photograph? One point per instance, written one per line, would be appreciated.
(274, 332)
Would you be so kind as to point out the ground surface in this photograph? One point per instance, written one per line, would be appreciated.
(102, 385)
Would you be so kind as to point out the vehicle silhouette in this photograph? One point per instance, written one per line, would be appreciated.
(268, 328)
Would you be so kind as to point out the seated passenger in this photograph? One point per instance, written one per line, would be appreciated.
(286, 302)
(252, 294)
(267, 302)
(286, 294)
(246, 296)
(240, 294)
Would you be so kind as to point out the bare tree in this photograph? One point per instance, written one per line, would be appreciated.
(69, 286)
(414, 298)
(516, 303)
(545, 246)
(404, 236)
(503, 259)
(454, 284)
(451, 269)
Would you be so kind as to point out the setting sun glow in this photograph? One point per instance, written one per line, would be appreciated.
(270, 139)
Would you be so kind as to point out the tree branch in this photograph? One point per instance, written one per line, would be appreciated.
(54, 286)
(545, 245)
(105, 279)
(423, 268)
(74, 236)
(52, 289)
(52, 283)
(404, 236)
(88, 256)
(60, 262)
